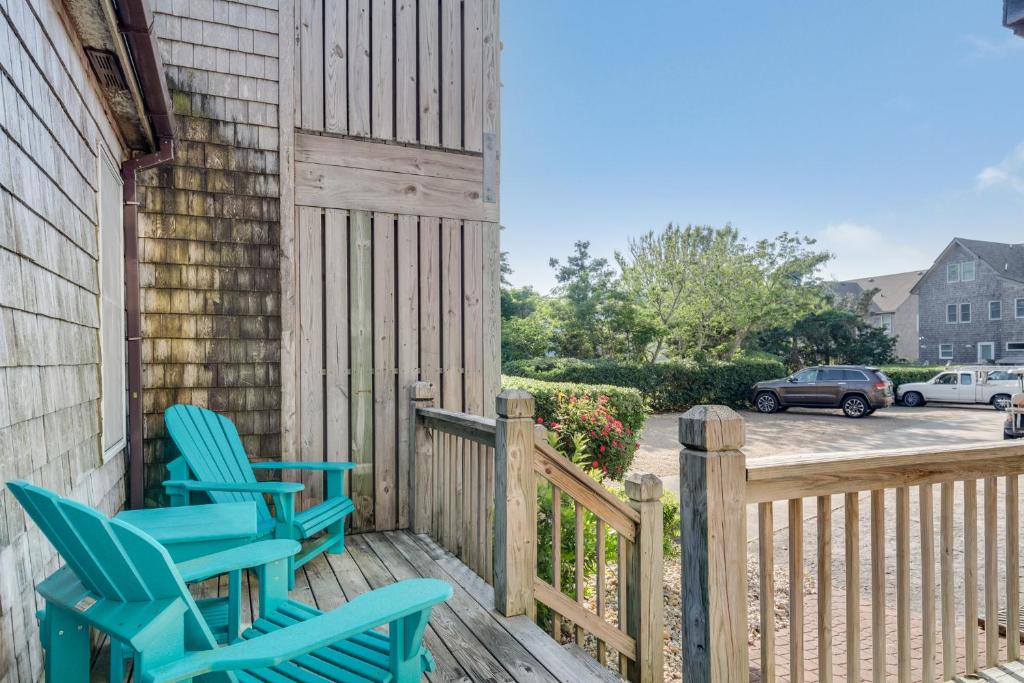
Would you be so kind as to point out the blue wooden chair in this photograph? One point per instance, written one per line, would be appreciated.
(120, 581)
(212, 461)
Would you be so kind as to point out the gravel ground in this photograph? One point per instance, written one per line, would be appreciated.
(806, 431)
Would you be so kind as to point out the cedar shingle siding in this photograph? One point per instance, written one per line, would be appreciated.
(209, 229)
(935, 293)
(51, 121)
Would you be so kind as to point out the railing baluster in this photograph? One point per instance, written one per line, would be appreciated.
(796, 590)
(991, 574)
(556, 556)
(971, 574)
(948, 594)
(825, 589)
(903, 584)
(927, 527)
(580, 550)
(1012, 568)
(852, 530)
(766, 556)
(489, 518)
(623, 597)
(601, 654)
(878, 635)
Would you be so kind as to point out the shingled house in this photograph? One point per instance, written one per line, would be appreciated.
(971, 304)
(284, 211)
(892, 307)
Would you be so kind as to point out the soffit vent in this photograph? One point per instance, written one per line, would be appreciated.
(107, 69)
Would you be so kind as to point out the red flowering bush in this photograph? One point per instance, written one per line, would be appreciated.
(586, 428)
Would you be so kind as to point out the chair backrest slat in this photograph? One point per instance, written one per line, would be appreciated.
(213, 450)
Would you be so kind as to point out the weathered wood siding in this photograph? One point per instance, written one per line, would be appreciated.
(390, 272)
(209, 228)
(51, 123)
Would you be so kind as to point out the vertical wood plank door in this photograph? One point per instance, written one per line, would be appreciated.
(386, 301)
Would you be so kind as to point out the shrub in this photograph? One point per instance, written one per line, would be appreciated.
(667, 387)
(598, 425)
(902, 374)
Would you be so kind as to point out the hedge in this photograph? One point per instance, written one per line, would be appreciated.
(667, 387)
(902, 374)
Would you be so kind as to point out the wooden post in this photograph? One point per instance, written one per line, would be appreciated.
(645, 606)
(712, 486)
(515, 502)
(421, 448)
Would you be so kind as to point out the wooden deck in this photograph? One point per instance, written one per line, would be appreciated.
(1011, 671)
(469, 639)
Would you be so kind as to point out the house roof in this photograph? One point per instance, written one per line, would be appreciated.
(1007, 260)
(893, 290)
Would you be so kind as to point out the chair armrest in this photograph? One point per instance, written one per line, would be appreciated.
(365, 612)
(271, 487)
(242, 557)
(322, 466)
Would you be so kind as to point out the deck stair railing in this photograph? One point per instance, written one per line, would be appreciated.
(477, 485)
(956, 591)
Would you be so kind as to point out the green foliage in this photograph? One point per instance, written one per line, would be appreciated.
(709, 290)
(519, 302)
(831, 336)
(904, 374)
(525, 337)
(584, 284)
(672, 386)
(609, 418)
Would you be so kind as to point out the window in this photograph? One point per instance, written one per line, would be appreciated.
(951, 316)
(885, 322)
(1015, 346)
(949, 377)
(953, 272)
(945, 351)
(965, 313)
(808, 375)
(995, 310)
(830, 375)
(854, 376)
(966, 378)
(1000, 376)
(967, 271)
(1020, 308)
(112, 324)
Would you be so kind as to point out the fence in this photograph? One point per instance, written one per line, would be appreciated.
(947, 598)
(477, 487)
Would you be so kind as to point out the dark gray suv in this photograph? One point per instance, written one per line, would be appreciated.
(857, 389)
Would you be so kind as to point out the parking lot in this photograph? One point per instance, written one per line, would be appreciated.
(801, 430)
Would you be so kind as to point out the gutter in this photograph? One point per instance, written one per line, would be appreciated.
(135, 23)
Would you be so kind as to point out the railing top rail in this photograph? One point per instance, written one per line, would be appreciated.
(814, 474)
(562, 472)
(473, 427)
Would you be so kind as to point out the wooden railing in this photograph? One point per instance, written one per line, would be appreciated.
(940, 601)
(477, 483)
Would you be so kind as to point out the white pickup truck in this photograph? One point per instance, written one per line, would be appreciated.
(994, 386)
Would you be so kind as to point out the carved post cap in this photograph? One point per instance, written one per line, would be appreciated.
(514, 403)
(712, 428)
(643, 487)
(422, 391)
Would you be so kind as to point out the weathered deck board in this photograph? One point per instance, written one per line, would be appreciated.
(469, 639)
(1011, 671)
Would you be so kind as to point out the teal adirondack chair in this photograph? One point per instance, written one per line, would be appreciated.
(120, 581)
(213, 461)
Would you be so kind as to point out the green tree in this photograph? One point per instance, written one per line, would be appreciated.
(584, 285)
(833, 335)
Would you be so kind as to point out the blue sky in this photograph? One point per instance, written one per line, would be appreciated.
(883, 129)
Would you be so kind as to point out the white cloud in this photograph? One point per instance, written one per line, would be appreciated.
(862, 251)
(982, 47)
(1007, 173)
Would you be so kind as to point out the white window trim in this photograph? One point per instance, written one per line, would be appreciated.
(989, 344)
(974, 271)
(942, 356)
(104, 157)
(957, 316)
(970, 313)
(1016, 309)
(1020, 349)
(1000, 309)
(950, 269)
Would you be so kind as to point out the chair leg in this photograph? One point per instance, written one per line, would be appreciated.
(234, 606)
(67, 657)
(338, 546)
(406, 635)
(117, 655)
